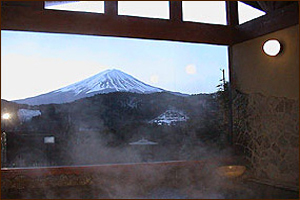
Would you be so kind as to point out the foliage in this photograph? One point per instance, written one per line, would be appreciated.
(114, 120)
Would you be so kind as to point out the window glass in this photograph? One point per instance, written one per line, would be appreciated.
(212, 12)
(81, 100)
(82, 6)
(247, 13)
(151, 9)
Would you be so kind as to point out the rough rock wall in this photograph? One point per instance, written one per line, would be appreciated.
(267, 129)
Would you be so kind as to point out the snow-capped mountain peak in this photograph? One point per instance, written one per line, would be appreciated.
(111, 80)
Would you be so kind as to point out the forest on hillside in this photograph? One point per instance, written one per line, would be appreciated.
(99, 129)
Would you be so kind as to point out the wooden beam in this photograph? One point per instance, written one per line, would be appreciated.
(232, 13)
(253, 4)
(37, 5)
(176, 10)
(57, 21)
(271, 22)
(111, 8)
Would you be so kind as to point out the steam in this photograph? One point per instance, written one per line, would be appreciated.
(132, 171)
(186, 180)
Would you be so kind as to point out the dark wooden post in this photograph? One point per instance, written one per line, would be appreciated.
(232, 21)
(111, 8)
(175, 11)
(232, 13)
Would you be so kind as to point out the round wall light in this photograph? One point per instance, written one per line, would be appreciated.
(272, 47)
(6, 116)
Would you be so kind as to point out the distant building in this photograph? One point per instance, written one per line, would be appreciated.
(143, 141)
(170, 117)
(144, 149)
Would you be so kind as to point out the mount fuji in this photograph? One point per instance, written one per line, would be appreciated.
(112, 80)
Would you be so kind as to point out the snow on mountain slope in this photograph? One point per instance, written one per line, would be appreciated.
(104, 82)
(115, 80)
(27, 115)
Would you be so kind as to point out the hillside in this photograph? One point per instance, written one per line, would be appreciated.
(113, 121)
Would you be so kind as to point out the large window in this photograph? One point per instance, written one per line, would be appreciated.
(92, 100)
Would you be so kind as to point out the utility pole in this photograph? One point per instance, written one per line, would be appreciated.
(223, 71)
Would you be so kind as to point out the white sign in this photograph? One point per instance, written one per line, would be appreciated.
(50, 140)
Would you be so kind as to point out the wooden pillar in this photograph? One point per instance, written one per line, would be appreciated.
(175, 11)
(232, 21)
(232, 13)
(111, 8)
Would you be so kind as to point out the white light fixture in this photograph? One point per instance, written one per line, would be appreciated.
(6, 116)
(272, 47)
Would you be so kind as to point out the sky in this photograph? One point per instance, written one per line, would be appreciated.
(37, 63)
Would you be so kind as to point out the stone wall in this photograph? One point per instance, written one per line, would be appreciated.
(266, 128)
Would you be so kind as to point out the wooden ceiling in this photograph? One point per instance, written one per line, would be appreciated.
(31, 16)
(269, 6)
